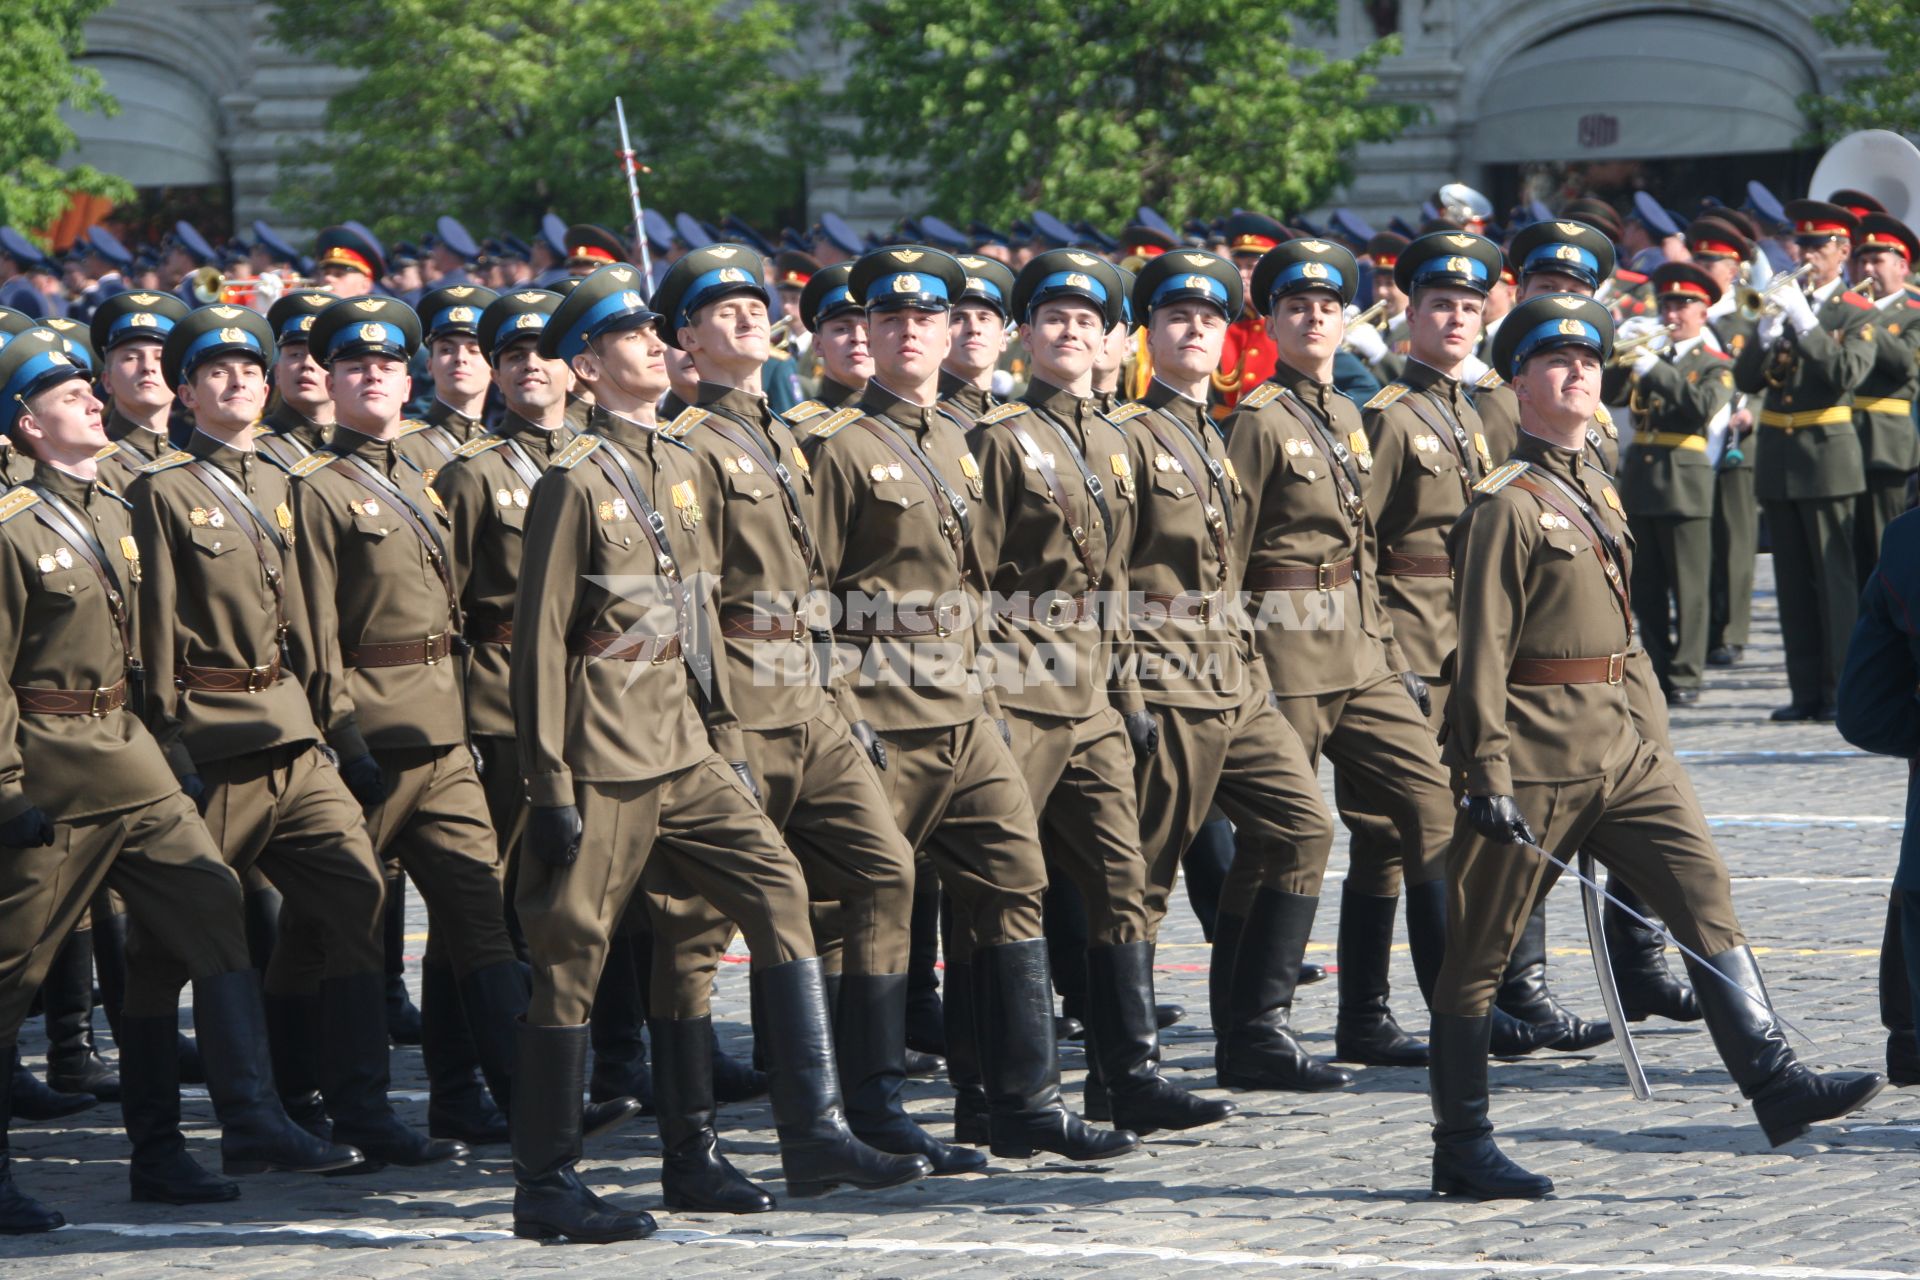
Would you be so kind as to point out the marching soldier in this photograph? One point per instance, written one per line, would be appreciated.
(88, 799)
(347, 264)
(896, 486)
(1540, 730)
(1053, 539)
(15, 466)
(1810, 350)
(461, 371)
(1883, 402)
(979, 340)
(128, 331)
(1681, 397)
(620, 769)
(219, 610)
(841, 361)
(301, 416)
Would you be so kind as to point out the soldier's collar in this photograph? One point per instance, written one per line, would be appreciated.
(836, 394)
(736, 400)
(1420, 375)
(879, 399)
(1162, 396)
(212, 449)
(62, 483)
(441, 411)
(1308, 388)
(120, 426)
(621, 429)
(1545, 453)
(346, 440)
(1055, 399)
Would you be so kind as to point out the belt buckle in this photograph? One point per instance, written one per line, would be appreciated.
(97, 707)
(660, 646)
(1055, 606)
(259, 679)
(1323, 578)
(426, 648)
(1616, 667)
(1205, 615)
(799, 628)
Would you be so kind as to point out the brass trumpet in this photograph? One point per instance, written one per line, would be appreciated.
(1755, 303)
(1628, 350)
(210, 285)
(1366, 317)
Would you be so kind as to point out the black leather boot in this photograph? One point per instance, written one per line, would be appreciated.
(354, 1076)
(293, 1043)
(1427, 940)
(1064, 922)
(458, 1104)
(817, 1150)
(73, 1065)
(1204, 867)
(693, 1174)
(1896, 1000)
(263, 925)
(1524, 993)
(1647, 987)
(256, 1135)
(495, 999)
(161, 1171)
(926, 1022)
(405, 1024)
(30, 1099)
(734, 1080)
(616, 1024)
(1013, 1012)
(1787, 1098)
(20, 1213)
(870, 1033)
(1366, 1031)
(1124, 1046)
(549, 1200)
(1465, 1160)
(970, 1109)
(1254, 1046)
(110, 964)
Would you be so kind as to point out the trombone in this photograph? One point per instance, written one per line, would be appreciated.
(1755, 303)
(1366, 317)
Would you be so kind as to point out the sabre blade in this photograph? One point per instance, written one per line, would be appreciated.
(1610, 989)
(631, 164)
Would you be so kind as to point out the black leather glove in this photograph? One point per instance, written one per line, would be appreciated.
(1144, 730)
(362, 776)
(1006, 731)
(553, 834)
(26, 830)
(746, 777)
(1418, 691)
(1498, 818)
(870, 743)
(194, 787)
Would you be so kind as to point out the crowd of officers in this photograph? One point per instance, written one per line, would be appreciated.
(912, 668)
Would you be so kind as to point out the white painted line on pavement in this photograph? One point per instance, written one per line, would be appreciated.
(312, 1230)
(1777, 755)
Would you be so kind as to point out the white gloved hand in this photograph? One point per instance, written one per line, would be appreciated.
(1472, 369)
(1796, 310)
(1365, 341)
(1635, 327)
(1770, 328)
(1644, 363)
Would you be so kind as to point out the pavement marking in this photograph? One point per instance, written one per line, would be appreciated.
(1775, 755)
(308, 1230)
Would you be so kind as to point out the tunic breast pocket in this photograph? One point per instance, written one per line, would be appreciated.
(1562, 546)
(1436, 459)
(754, 486)
(375, 527)
(65, 585)
(1169, 480)
(216, 542)
(1305, 463)
(899, 496)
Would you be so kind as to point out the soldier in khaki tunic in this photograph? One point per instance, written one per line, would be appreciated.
(460, 369)
(1052, 536)
(1809, 352)
(87, 799)
(15, 466)
(979, 340)
(1681, 394)
(1540, 730)
(128, 330)
(220, 608)
(1883, 402)
(620, 770)
(895, 486)
(1220, 739)
(840, 355)
(301, 416)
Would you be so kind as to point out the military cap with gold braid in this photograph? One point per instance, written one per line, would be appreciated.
(1251, 233)
(352, 327)
(989, 283)
(827, 295)
(1684, 280)
(793, 268)
(1563, 247)
(1069, 273)
(1188, 275)
(453, 311)
(345, 247)
(207, 333)
(135, 316)
(1711, 237)
(292, 314)
(1453, 259)
(1815, 222)
(79, 344)
(704, 277)
(907, 277)
(1884, 231)
(31, 362)
(524, 313)
(1295, 266)
(592, 245)
(1549, 321)
(605, 301)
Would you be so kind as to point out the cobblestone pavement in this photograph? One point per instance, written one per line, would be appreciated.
(1682, 1185)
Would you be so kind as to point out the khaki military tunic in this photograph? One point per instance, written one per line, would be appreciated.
(1499, 410)
(905, 580)
(1536, 594)
(1808, 474)
(15, 466)
(288, 436)
(963, 400)
(132, 447)
(459, 427)
(1191, 653)
(607, 708)
(1883, 414)
(221, 609)
(68, 647)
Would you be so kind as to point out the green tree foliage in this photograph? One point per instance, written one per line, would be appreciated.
(37, 79)
(1888, 99)
(1089, 107)
(499, 110)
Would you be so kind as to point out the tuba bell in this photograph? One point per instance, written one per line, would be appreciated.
(1877, 161)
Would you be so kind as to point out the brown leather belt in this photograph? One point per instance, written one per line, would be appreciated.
(400, 653)
(1188, 606)
(757, 624)
(1608, 670)
(194, 679)
(908, 620)
(491, 633)
(1323, 578)
(1060, 611)
(617, 646)
(71, 702)
(1395, 565)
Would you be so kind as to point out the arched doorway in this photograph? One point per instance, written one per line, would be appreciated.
(166, 140)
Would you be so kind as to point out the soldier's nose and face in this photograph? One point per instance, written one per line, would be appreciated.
(1827, 257)
(458, 368)
(635, 359)
(133, 376)
(1565, 381)
(1684, 316)
(527, 381)
(69, 417)
(1065, 336)
(979, 339)
(1445, 323)
(368, 391)
(1307, 327)
(229, 392)
(1541, 283)
(1887, 270)
(1185, 338)
(843, 350)
(298, 377)
(343, 281)
(732, 333)
(909, 344)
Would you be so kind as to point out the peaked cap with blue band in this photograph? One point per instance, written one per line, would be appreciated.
(826, 295)
(705, 276)
(138, 314)
(907, 276)
(1069, 274)
(352, 327)
(521, 313)
(32, 361)
(605, 300)
(1548, 322)
(1565, 247)
(453, 311)
(207, 333)
(291, 314)
(1307, 262)
(1456, 259)
(989, 283)
(1188, 275)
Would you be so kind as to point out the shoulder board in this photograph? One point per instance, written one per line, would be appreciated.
(1624, 276)
(571, 456)
(113, 493)
(1717, 355)
(1128, 412)
(165, 462)
(1387, 395)
(690, 417)
(108, 452)
(1853, 299)
(1264, 394)
(1489, 380)
(1012, 409)
(313, 462)
(1500, 477)
(479, 445)
(1601, 416)
(804, 410)
(833, 424)
(16, 501)
(410, 426)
